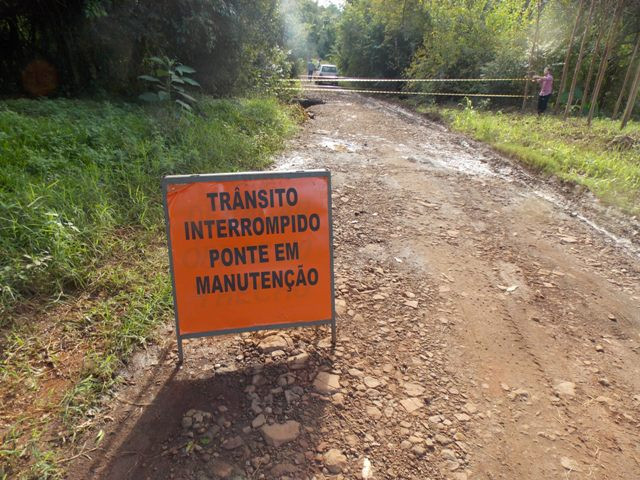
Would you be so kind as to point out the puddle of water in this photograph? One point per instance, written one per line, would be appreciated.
(293, 162)
(624, 243)
(338, 146)
(459, 162)
(398, 110)
(464, 165)
(371, 138)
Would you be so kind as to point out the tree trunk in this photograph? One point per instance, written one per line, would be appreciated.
(605, 61)
(594, 57)
(533, 49)
(631, 101)
(576, 70)
(565, 68)
(626, 77)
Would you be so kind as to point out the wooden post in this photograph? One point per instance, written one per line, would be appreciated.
(594, 57)
(533, 49)
(626, 78)
(565, 67)
(605, 61)
(576, 70)
(633, 95)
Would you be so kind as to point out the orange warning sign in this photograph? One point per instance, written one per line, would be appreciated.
(249, 251)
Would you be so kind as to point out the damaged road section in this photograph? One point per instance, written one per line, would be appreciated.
(484, 332)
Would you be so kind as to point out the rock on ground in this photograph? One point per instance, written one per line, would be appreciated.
(281, 433)
(335, 461)
(326, 383)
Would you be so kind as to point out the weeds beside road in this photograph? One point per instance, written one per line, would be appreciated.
(83, 268)
(75, 171)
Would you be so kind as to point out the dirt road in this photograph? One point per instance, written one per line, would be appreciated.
(486, 331)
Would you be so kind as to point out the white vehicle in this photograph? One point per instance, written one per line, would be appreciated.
(327, 71)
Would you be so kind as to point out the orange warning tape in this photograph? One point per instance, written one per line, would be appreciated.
(349, 79)
(342, 90)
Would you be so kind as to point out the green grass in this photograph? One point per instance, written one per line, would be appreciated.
(118, 311)
(598, 157)
(83, 263)
(74, 171)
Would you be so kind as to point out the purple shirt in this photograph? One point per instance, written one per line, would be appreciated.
(546, 84)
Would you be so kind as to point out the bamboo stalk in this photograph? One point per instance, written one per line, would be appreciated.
(533, 49)
(605, 61)
(627, 76)
(631, 101)
(576, 70)
(565, 67)
(594, 57)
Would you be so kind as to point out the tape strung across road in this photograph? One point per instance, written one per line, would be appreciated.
(441, 94)
(348, 79)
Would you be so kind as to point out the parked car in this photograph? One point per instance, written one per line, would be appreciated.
(328, 72)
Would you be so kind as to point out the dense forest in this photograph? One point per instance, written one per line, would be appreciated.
(74, 47)
(590, 45)
(85, 46)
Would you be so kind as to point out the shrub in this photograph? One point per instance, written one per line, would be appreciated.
(76, 172)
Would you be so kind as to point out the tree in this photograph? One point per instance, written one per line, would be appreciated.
(626, 78)
(533, 49)
(594, 58)
(310, 30)
(378, 38)
(102, 44)
(605, 60)
(576, 71)
(633, 95)
(473, 40)
(565, 67)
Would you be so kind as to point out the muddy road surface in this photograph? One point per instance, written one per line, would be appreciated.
(488, 328)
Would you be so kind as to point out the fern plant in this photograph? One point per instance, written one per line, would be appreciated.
(169, 82)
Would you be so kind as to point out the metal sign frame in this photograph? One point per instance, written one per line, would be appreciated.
(226, 177)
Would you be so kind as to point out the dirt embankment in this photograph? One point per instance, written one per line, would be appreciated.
(486, 331)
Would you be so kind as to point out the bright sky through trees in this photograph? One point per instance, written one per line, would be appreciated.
(337, 3)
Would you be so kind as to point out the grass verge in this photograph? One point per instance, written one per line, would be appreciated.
(602, 158)
(83, 266)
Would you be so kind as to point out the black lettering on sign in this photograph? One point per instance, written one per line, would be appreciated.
(212, 198)
(273, 198)
(193, 230)
(238, 255)
(209, 225)
(225, 203)
(203, 285)
(248, 227)
(286, 251)
(288, 280)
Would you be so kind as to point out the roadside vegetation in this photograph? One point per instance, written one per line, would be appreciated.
(601, 158)
(75, 171)
(82, 243)
(592, 47)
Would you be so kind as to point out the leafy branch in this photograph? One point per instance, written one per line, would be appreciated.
(169, 82)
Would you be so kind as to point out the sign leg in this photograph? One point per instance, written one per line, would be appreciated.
(180, 353)
(333, 331)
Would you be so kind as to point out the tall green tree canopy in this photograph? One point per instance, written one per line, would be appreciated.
(235, 45)
(103, 43)
(310, 28)
(482, 39)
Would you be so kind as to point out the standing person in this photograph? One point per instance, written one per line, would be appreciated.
(310, 69)
(546, 87)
